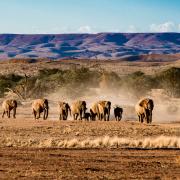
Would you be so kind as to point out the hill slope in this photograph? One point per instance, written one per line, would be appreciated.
(93, 46)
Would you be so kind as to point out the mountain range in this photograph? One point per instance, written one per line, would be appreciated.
(88, 46)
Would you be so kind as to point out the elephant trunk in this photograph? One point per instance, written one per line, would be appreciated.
(108, 114)
(14, 112)
(45, 113)
(150, 116)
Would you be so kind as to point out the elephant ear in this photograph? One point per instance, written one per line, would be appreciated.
(143, 102)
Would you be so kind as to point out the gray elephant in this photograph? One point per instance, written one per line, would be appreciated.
(64, 108)
(39, 106)
(7, 106)
(144, 110)
(118, 113)
(78, 109)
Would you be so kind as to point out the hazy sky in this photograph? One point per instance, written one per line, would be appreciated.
(89, 16)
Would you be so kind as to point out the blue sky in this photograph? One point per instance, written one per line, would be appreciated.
(89, 16)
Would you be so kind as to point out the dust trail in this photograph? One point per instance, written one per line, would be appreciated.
(164, 142)
(166, 109)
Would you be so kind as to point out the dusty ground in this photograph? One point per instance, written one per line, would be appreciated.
(34, 162)
(32, 149)
(51, 163)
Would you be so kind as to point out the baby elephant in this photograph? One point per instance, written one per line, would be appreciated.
(118, 113)
(7, 106)
(87, 116)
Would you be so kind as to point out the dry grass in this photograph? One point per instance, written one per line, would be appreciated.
(160, 142)
(119, 67)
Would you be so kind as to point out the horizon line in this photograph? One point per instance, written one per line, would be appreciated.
(90, 33)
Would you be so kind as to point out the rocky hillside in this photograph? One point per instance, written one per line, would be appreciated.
(93, 46)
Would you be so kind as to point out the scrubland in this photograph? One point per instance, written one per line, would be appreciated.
(54, 149)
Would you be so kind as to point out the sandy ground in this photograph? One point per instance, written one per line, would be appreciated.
(36, 161)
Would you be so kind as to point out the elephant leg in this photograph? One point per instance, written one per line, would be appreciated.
(44, 115)
(34, 112)
(14, 113)
(38, 114)
(139, 117)
(80, 115)
(59, 116)
(99, 116)
(104, 117)
(74, 116)
(108, 117)
(3, 114)
(120, 117)
(9, 114)
(65, 117)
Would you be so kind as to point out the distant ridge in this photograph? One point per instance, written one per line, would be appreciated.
(88, 46)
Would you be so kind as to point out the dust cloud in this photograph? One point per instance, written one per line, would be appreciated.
(166, 109)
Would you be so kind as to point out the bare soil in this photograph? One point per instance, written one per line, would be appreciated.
(85, 163)
(29, 163)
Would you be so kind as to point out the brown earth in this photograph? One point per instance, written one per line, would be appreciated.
(29, 163)
(27, 149)
(20, 161)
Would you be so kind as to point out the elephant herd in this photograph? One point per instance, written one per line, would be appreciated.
(98, 111)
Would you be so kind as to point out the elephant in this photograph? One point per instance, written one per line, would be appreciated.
(78, 109)
(101, 109)
(87, 116)
(7, 106)
(118, 113)
(39, 106)
(144, 110)
(94, 111)
(64, 108)
(104, 108)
